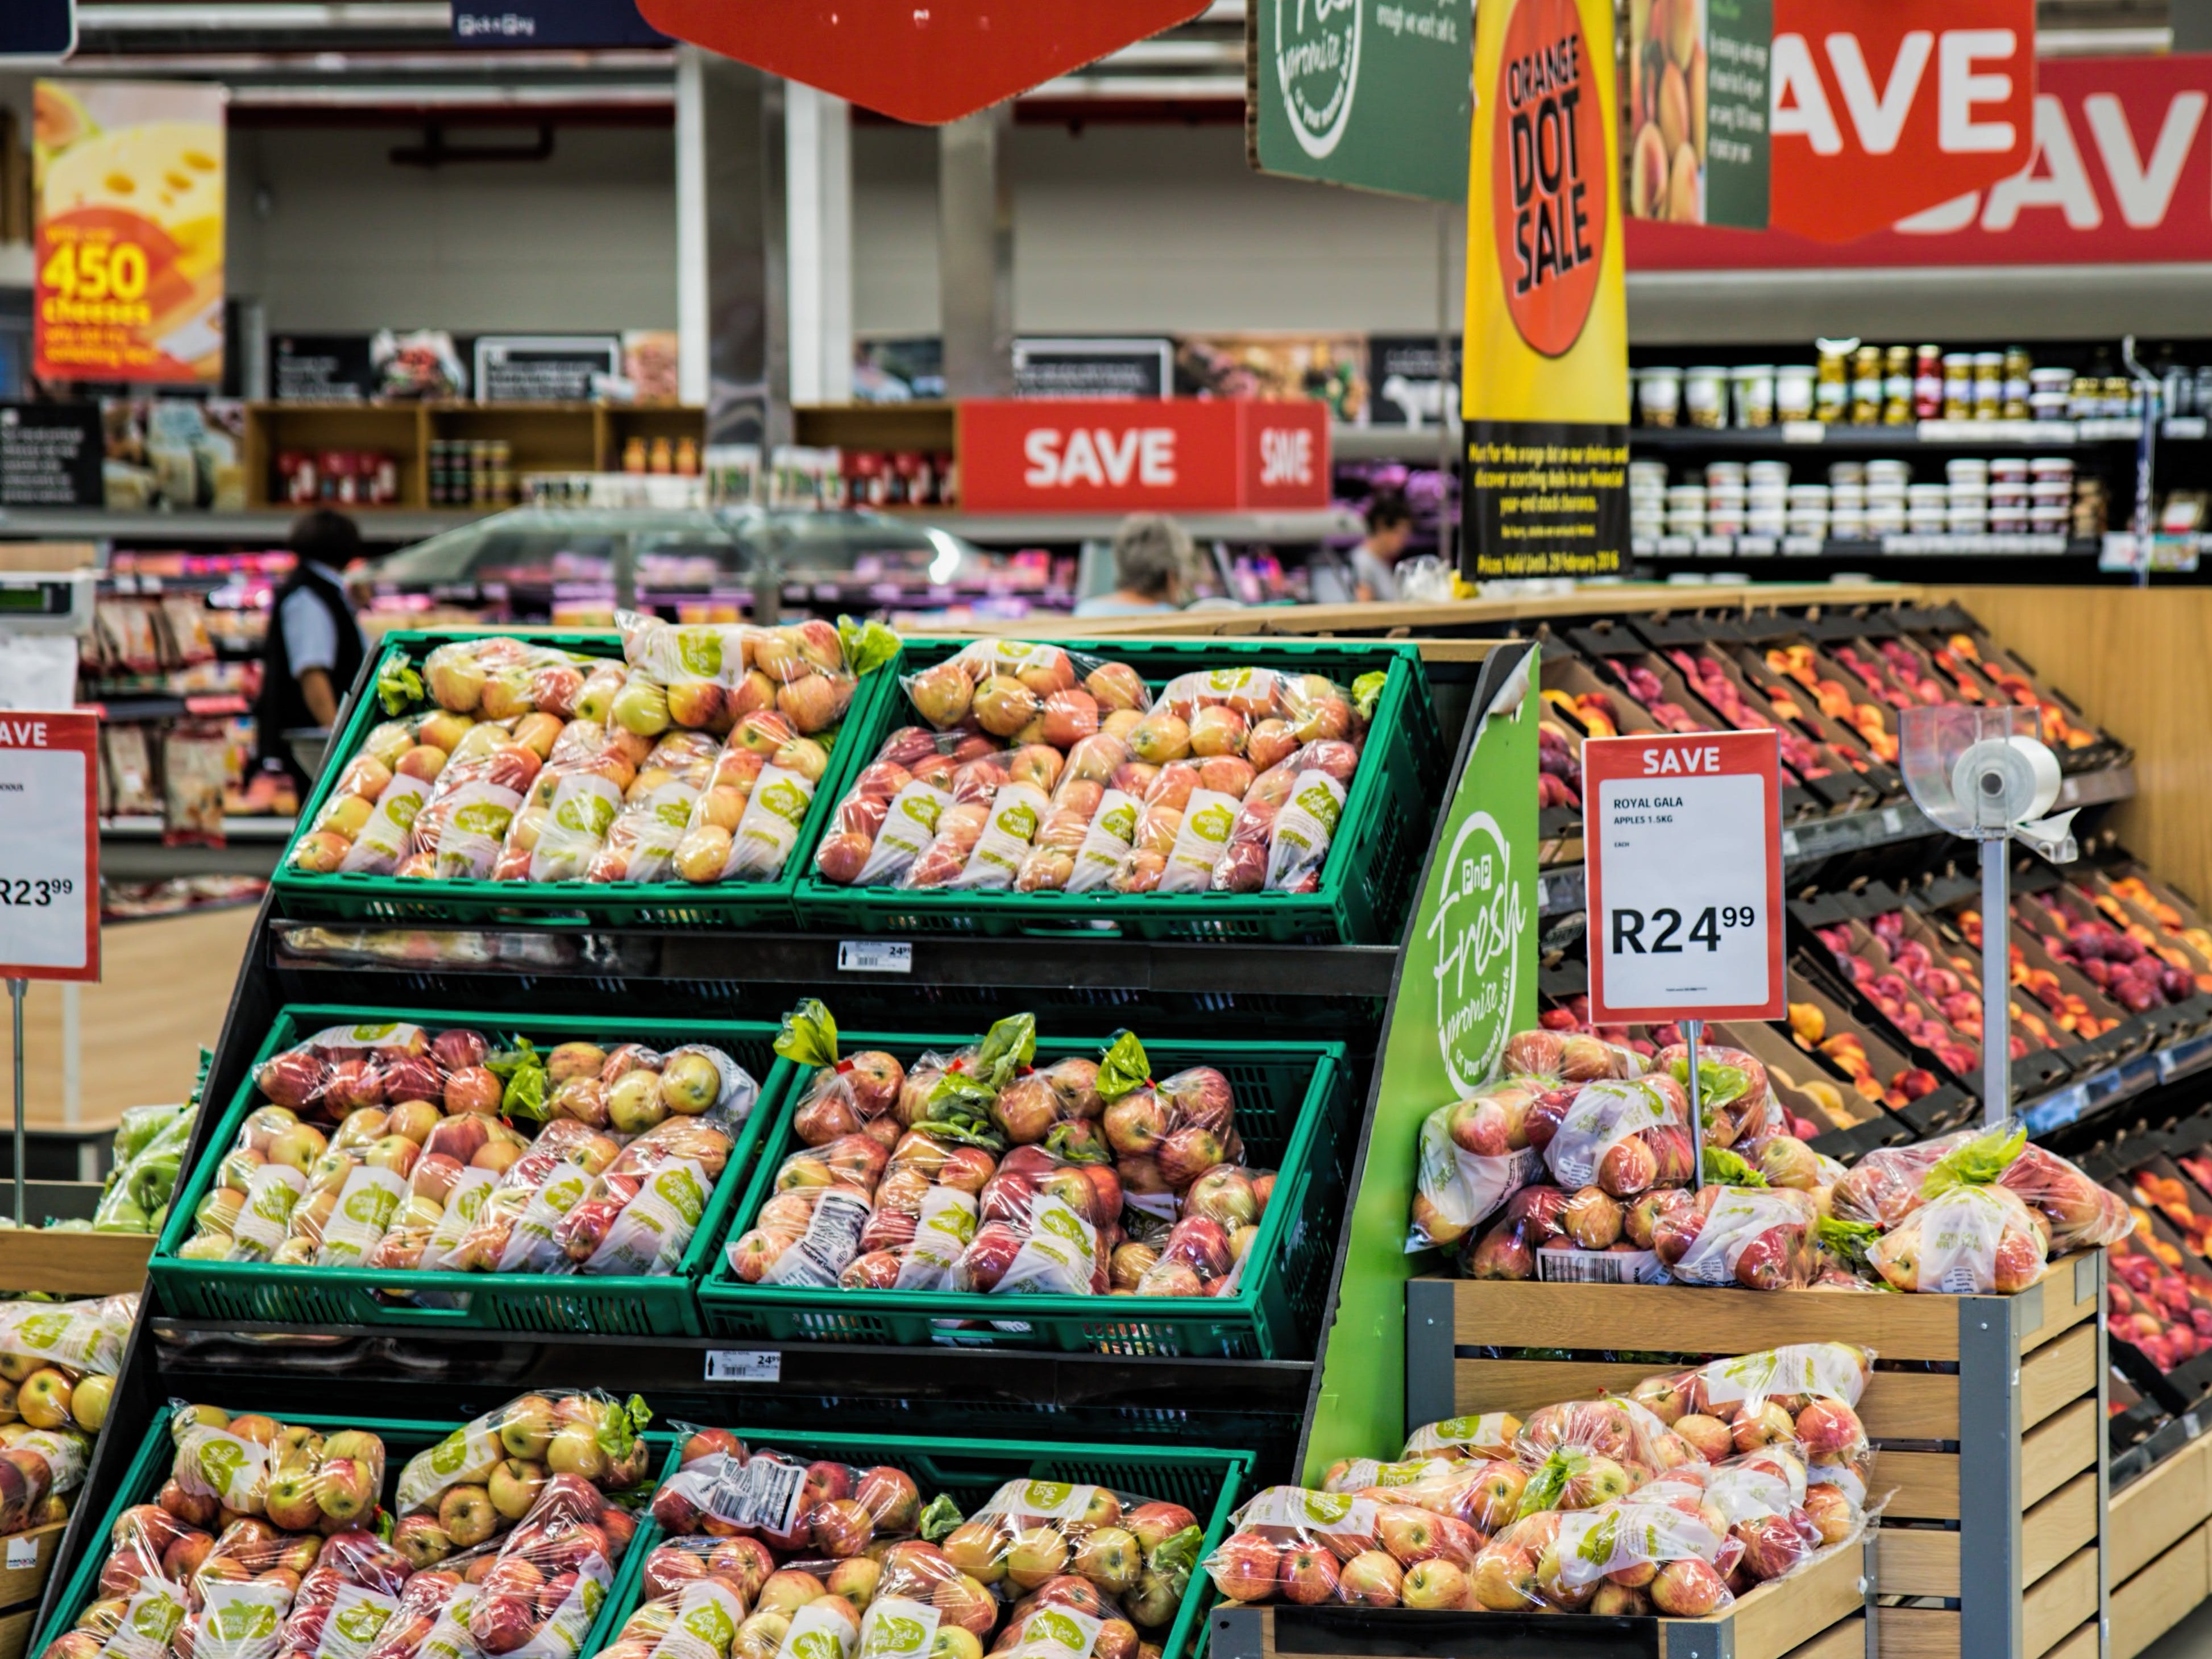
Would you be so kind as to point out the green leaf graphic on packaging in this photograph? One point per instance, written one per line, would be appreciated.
(701, 653)
(483, 817)
(712, 1624)
(403, 810)
(447, 1456)
(1326, 1508)
(586, 814)
(221, 1462)
(814, 1644)
(674, 814)
(1120, 821)
(360, 1623)
(922, 809)
(370, 1206)
(1212, 823)
(786, 800)
(245, 1622)
(1323, 805)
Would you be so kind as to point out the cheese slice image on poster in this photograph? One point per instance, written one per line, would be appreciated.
(1545, 384)
(128, 264)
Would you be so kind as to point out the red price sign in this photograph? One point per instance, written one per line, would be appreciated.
(1683, 840)
(49, 845)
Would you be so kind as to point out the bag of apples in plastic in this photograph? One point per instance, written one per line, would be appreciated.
(484, 1477)
(253, 1465)
(1123, 1556)
(1164, 1134)
(1295, 1545)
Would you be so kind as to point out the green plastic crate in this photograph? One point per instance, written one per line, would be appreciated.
(149, 1468)
(1206, 1482)
(357, 897)
(1365, 887)
(609, 1305)
(1294, 1112)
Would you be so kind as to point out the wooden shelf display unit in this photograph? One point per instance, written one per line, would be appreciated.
(541, 437)
(2159, 1548)
(1994, 1454)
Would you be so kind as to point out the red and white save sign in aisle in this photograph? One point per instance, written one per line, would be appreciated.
(49, 848)
(1683, 841)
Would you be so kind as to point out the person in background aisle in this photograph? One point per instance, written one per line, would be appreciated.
(1389, 527)
(1153, 557)
(314, 646)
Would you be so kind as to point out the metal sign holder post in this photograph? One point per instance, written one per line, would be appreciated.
(16, 988)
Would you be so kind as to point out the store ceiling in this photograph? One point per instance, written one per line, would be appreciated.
(335, 59)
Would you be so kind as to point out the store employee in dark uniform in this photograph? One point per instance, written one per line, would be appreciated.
(314, 648)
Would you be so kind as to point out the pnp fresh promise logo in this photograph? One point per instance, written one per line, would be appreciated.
(1550, 172)
(1317, 66)
(1476, 929)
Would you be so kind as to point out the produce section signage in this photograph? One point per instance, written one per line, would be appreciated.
(50, 455)
(1467, 981)
(1165, 455)
(1368, 93)
(2119, 171)
(1683, 845)
(1544, 393)
(929, 63)
(49, 845)
(129, 262)
(1883, 109)
(1698, 106)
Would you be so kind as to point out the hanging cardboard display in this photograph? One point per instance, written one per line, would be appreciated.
(1545, 392)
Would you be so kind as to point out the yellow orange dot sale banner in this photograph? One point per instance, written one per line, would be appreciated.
(1545, 392)
(129, 259)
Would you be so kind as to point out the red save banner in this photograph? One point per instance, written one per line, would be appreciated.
(927, 64)
(2121, 174)
(1193, 455)
(1882, 110)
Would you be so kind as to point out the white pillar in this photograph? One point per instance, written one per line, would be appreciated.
(691, 338)
(819, 159)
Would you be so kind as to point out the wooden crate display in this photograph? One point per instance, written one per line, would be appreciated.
(1817, 1613)
(2157, 1549)
(1993, 1448)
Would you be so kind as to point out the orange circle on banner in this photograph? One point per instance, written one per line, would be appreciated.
(1549, 175)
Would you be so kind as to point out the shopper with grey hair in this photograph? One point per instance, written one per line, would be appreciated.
(1152, 560)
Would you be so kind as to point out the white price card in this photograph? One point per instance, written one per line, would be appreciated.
(49, 845)
(1682, 840)
(874, 955)
(745, 1365)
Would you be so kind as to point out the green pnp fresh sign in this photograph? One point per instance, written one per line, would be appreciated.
(1372, 94)
(1466, 981)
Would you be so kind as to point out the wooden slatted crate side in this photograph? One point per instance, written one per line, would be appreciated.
(2161, 1594)
(1602, 1318)
(2057, 1605)
(2150, 1515)
(2059, 1449)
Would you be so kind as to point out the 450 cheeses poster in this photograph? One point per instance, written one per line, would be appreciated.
(130, 183)
(1544, 389)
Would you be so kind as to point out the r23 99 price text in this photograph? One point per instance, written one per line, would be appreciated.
(1628, 926)
(19, 891)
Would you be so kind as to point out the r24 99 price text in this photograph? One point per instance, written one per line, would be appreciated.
(35, 893)
(1628, 927)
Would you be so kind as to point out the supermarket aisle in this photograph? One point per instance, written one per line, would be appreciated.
(2189, 1639)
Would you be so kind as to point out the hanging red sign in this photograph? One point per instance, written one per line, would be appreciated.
(1882, 110)
(2120, 174)
(1192, 454)
(929, 63)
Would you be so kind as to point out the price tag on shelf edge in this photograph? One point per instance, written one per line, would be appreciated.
(1684, 870)
(49, 845)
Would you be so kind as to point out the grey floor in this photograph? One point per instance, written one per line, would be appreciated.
(2189, 1639)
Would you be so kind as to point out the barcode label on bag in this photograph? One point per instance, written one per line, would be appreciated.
(1599, 1267)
